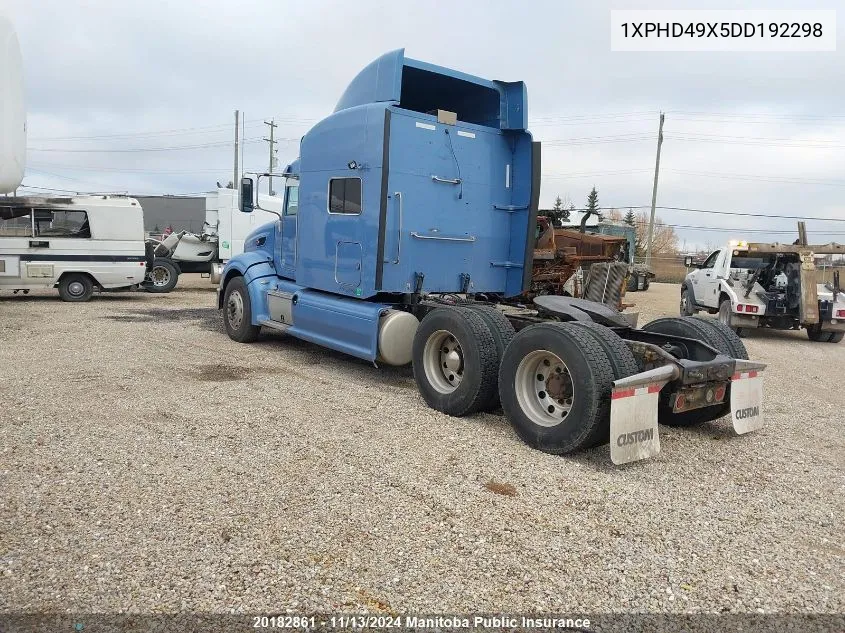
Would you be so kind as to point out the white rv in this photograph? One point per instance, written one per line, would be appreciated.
(74, 244)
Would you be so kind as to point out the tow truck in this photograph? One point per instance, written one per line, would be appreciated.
(751, 285)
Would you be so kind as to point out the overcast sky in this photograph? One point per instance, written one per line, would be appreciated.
(170, 74)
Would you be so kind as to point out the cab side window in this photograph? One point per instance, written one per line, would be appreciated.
(292, 201)
(710, 262)
(345, 196)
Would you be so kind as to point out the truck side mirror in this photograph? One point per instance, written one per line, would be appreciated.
(688, 261)
(247, 205)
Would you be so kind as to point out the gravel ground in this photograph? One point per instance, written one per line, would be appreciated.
(150, 464)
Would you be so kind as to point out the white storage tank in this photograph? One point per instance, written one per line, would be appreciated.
(12, 111)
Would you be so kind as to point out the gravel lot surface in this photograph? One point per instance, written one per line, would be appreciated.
(151, 464)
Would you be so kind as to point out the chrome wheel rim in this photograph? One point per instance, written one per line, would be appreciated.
(76, 288)
(684, 303)
(443, 361)
(160, 276)
(544, 388)
(235, 310)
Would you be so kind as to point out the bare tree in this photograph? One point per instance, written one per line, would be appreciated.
(664, 238)
(615, 215)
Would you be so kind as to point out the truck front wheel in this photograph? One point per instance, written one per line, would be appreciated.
(687, 306)
(455, 361)
(237, 312)
(162, 277)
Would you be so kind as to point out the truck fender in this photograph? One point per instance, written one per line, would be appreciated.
(250, 266)
(689, 289)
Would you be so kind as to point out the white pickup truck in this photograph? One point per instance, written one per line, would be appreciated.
(751, 285)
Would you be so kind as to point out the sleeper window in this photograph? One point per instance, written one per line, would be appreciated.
(345, 195)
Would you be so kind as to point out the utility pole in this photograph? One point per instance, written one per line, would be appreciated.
(654, 194)
(272, 141)
(236, 180)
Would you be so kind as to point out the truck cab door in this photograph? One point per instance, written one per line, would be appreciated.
(706, 282)
(288, 242)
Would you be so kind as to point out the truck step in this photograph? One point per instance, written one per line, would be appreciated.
(274, 325)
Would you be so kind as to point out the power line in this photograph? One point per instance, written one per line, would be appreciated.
(606, 115)
(730, 229)
(771, 115)
(762, 178)
(148, 149)
(740, 213)
(595, 173)
(755, 215)
(760, 141)
(223, 127)
(136, 170)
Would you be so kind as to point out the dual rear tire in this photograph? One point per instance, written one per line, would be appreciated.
(553, 379)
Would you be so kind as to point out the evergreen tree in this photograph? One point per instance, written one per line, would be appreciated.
(591, 209)
(559, 214)
(629, 217)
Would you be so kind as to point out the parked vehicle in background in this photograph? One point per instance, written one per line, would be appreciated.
(639, 276)
(574, 264)
(409, 225)
(77, 244)
(222, 237)
(751, 285)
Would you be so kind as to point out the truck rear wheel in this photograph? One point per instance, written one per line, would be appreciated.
(503, 333)
(237, 312)
(689, 327)
(702, 329)
(162, 277)
(726, 316)
(553, 381)
(621, 360)
(732, 344)
(814, 333)
(455, 361)
(76, 287)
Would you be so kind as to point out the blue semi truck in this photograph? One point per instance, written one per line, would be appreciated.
(406, 231)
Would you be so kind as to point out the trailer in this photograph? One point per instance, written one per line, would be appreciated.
(409, 221)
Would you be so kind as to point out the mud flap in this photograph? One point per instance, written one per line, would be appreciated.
(747, 401)
(633, 422)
